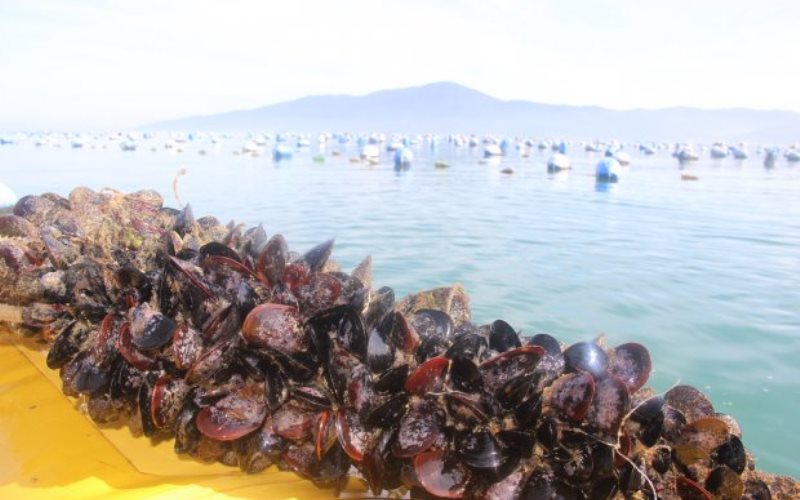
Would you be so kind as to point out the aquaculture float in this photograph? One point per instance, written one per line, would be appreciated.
(246, 353)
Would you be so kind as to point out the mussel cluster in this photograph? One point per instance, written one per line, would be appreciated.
(251, 355)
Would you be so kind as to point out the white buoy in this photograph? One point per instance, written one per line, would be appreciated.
(558, 162)
(623, 158)
(7, 196)
(403, 157)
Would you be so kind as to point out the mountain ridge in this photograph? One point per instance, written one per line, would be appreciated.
(448, 107)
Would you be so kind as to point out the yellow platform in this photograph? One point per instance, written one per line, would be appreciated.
(49, 449)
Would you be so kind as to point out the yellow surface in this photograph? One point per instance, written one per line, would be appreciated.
(49, 449)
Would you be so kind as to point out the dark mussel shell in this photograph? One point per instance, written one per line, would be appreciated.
(217, 249)
(392, 380)
(632, 365)
(650, 418)
(430, 347)
(420, 428)
(317, 257)
(432, 323)
(276, 327)
(441, 474)
(261, 449)
(732, 454)
(186, 434)
(690, 490)
(67, 344)
(381, 303)
(389, 412)
(382, 469)
(184, 221)
(466, 345)
(519, 362)
(215, 359)
(402, 335)
(609, 406)
(321, 292)
(465, 409)
(380, 351)
(756, 489)
(345, 324)
(235, 415)
(692, 403)
(465, 375)
(135, 285)
(572, 395)
(511, 394)
(502, 337)
(150, 329)
(271, 262)
(548, 342)
(586, 356)
(481, 451)
(427, 377)
(724, 483)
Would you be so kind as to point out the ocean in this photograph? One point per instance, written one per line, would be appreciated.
(705, 272)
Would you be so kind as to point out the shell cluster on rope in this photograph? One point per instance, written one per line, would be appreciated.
(252, 355)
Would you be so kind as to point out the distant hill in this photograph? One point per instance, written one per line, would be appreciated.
(446, 108)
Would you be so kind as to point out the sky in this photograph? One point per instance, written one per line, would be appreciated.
(99, 65)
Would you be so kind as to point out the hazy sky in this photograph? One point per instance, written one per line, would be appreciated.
(109, 64)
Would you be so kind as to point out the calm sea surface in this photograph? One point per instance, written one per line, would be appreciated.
(705, 273)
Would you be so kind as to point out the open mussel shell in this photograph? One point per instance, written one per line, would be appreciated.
(166, 401)
(572, 395)
(519, 362)
(275, 326)
(420, 428)
(731, 453)
(427, 377)
(632, 365)
(692, 403)
(235, 415)
(465, 409)
(441, 474)
(432, 323)
(353, 436)
(609, 406)
(586, 356)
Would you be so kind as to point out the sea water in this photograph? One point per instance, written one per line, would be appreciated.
(705, 273)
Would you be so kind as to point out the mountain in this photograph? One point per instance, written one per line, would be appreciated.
(446, 108)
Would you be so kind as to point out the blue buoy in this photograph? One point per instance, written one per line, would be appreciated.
(403, 158)
(562, 147)
(282, 151)
(504, 145)
(608, 170)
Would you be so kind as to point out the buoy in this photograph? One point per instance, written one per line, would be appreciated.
(492, 150)
(608, 170)
(282, 151)
(441, 164)
(7, 196)
(623, 158)
(507, 171)
(689, 177)
(403, 158)
(558, 162)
